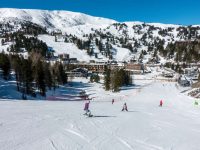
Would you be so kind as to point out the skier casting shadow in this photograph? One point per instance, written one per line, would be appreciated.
(87, 111)
(124, 107)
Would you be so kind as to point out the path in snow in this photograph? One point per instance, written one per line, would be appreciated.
(49, 125)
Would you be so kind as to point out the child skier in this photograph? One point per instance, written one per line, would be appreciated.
(86, 108)
(161, 103)
(124, 107)
(113, 101)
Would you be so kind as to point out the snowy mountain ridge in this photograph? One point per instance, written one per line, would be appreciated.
(134, 39)
(64, 19)
(52, 19)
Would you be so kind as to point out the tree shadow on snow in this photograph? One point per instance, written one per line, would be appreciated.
(77, 84)
(130, 87)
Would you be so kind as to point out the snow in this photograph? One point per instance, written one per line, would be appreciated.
(61, 125)
(80, 24)
(121, 54)
(63, 20)
(69, 48)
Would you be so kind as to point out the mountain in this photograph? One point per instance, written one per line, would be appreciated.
(101, 38)
(63, 20)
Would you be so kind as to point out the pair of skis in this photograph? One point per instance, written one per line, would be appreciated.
(88, 115)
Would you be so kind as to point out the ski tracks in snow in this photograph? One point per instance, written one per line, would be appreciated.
(77, 134)
(125, 143)
(53, 145)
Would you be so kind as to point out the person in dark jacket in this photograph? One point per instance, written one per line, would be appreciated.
(113, 101)
(124, 107)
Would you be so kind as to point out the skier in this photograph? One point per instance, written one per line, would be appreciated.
(161, 103)
(113, 101)
(124, 107)
(86, 108)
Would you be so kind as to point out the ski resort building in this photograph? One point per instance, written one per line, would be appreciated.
(134, 68)
(78, 72)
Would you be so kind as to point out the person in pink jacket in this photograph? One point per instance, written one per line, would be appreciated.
(86, 108)
(161, 103)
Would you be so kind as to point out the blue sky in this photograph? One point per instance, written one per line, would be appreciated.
(165, 11)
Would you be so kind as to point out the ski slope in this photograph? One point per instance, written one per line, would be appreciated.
(54, 125)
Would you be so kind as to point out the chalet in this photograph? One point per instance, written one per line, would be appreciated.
(78, 72)
(97, 67)
(135, 68)
(92, 67)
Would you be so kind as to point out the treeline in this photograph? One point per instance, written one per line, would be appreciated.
(116, 78)
(31, 44)
(187, 51)
(24, 27)
(91, 43)
(33, 74)
(5, 66)
(33, 29)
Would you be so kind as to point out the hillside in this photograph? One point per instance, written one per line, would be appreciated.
(101, 38)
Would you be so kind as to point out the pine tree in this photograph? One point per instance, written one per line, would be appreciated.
(63, 75)
(27, 76)
(48, 76)
(59, 73)
(5, 65)
(40, 78)
(107, 80)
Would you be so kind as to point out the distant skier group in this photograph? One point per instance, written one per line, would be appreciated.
(124, 107)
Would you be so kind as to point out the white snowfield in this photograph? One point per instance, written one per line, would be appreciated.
(50, 125)
(121, 54)
(62, 20)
